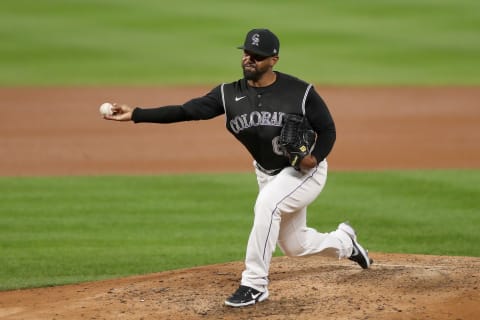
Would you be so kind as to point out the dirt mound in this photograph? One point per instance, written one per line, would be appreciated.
(396, 287)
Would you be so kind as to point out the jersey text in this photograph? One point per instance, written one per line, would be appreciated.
(255, 119)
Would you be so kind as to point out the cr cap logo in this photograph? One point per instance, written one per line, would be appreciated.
(255, 39)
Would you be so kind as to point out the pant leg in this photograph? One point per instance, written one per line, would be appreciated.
(296, 239)
(289, 192)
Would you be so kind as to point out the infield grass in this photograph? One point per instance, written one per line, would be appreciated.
(144, 42)
(72, 229)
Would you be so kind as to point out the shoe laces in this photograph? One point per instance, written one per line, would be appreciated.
(242, 292)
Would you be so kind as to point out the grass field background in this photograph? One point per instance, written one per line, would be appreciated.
(87, 42)
(56, 230)
(70, 229)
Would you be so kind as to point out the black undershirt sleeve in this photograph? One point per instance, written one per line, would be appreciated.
(322, 122)
(166, 114)
(202, 108)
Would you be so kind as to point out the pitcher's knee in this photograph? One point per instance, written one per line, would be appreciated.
(273, 206)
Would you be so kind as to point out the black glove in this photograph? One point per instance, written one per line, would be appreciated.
(296, 138)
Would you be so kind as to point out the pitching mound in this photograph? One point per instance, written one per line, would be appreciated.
(396, 287)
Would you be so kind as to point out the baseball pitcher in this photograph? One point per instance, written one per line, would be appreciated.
(287, 128)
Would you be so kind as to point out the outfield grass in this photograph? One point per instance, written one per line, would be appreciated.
(72, 229)
(421, 42)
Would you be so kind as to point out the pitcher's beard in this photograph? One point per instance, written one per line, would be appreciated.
(253, 73)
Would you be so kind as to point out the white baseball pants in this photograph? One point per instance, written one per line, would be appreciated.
(281, 218)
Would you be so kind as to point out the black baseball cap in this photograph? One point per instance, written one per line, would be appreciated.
(262, 42)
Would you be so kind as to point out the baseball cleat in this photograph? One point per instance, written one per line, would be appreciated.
(359, 254)
(245, 296)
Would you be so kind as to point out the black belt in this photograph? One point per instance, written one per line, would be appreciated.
(272, 172)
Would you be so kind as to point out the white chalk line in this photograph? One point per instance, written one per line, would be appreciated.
(412, 266)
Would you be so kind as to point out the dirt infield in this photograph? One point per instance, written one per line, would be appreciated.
(47, 131)
(60, 132)
(396, 287)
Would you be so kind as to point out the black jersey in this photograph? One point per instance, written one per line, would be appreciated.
(254, 115)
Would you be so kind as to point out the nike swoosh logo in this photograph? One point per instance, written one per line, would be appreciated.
(355, 251)
(239, 98)
(255, 296)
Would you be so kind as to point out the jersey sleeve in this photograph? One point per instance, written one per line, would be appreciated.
(322, 122)
(201, 108)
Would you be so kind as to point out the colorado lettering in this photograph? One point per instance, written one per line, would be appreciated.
(255, 119)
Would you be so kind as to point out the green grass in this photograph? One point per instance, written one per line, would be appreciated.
(70, 229)
(421, 42)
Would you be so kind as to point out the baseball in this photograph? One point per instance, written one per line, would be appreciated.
(106, 109)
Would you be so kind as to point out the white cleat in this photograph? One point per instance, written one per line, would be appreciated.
(359, 254)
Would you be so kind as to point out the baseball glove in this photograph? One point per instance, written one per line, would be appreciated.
(296, 138)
